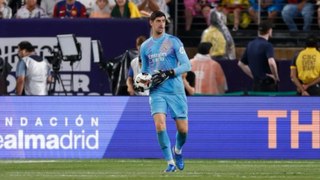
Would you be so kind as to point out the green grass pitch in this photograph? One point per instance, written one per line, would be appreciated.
(152, 169)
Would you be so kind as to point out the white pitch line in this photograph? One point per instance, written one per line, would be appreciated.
(29, 161)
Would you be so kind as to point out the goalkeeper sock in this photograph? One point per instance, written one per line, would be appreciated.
(165, 144)
(180, 140)
(177, 151)
(171, 162)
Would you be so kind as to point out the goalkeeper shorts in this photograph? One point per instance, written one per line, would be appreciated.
(175, 103)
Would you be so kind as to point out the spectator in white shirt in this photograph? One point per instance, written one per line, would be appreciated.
(101, 9)
(30, 10)
(5, 10)
(48, 6)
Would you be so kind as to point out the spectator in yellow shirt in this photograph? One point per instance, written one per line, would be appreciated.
(125, 9)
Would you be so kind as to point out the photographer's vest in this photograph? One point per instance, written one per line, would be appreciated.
(36, 75)
(209, 76)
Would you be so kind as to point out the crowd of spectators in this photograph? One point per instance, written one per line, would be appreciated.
(81, 8)
(238, 13)
(241, 13)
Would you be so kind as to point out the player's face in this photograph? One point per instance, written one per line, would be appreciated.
(121, 2)
(70, 1)
(158, 25)
(31, 3)
(101, 3)
(22, 53)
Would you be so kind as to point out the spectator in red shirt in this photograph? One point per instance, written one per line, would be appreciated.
(69, 9)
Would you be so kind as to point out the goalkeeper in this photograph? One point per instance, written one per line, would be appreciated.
(164, 57)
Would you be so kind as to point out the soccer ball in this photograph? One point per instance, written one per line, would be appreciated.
(143, 81)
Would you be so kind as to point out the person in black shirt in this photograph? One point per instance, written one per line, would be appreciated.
(258, 60)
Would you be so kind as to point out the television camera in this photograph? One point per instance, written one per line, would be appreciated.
(55, 60)
(69, 49)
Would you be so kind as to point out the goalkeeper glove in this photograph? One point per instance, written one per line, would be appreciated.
(160, 76)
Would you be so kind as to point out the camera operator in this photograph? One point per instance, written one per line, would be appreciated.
(33, 72)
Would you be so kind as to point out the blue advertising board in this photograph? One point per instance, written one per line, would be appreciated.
(122, 127)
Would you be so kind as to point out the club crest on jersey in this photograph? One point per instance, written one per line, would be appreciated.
(166, 45)
(182, 51)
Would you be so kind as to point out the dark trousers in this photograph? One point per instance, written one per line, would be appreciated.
(3, 85)
(314, 90)
(265, 85)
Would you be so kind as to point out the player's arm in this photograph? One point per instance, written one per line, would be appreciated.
(189, 86)
(314, 82)
(49, 73)
(184, 62)
(245, 68)
(20, 85)
(50, 78)
(294, 78)
(274, 70)
(182, 57)
(243, 64)
(183, 67)
(20, 74)
(272, 63)
(144, 60)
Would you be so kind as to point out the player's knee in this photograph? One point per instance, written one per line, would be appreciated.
(159, 122)
(182, 126)
(160, 125)
(183, 130)
(160, 128)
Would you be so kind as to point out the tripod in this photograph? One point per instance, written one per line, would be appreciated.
(72, 88)
(56, 78)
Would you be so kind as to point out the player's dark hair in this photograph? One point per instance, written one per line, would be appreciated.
(264, 27)
(204, 48)
(140, 40)
(312, 41)
(157, 14)
(26, 45)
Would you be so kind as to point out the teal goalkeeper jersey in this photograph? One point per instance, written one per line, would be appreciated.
(165, 53)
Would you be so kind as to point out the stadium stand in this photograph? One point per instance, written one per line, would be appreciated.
(285, 43)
